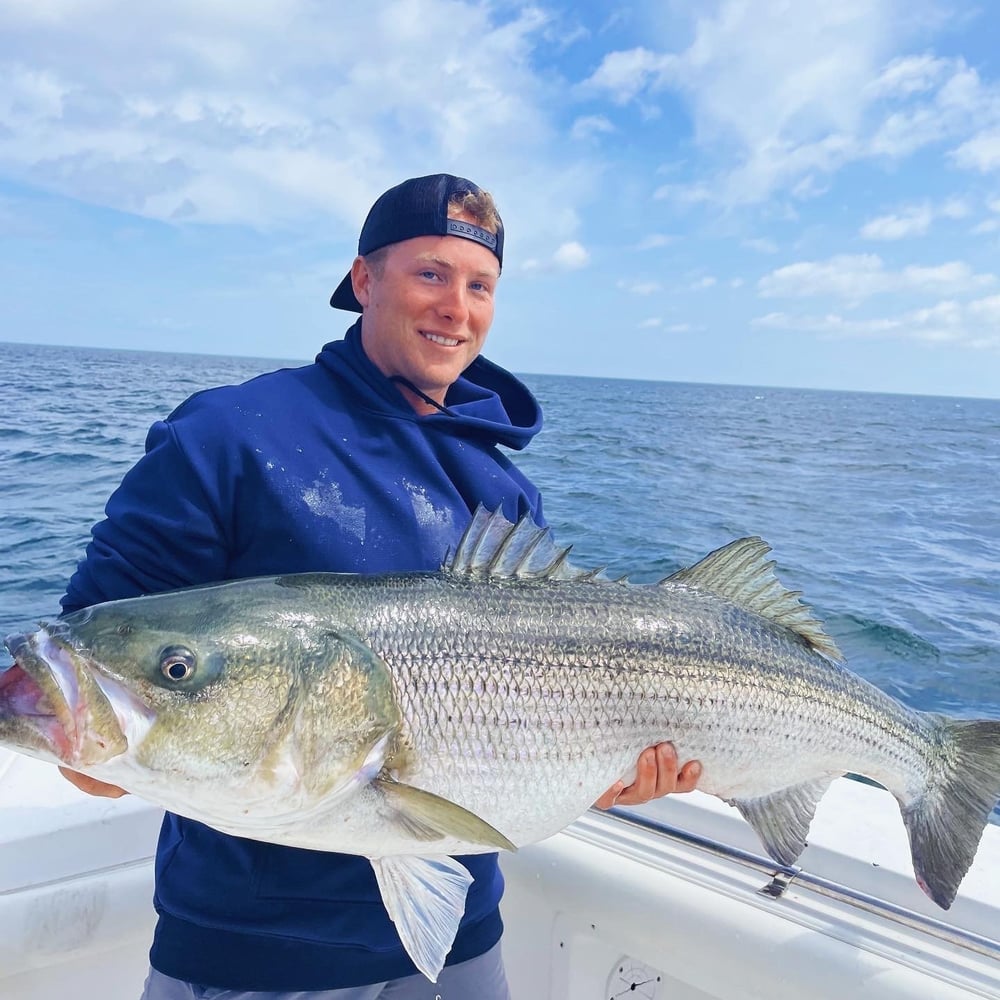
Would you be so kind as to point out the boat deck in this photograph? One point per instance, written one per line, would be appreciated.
(662, 903)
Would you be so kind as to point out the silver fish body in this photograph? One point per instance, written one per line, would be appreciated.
(409, 718)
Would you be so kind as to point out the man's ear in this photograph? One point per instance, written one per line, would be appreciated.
(361, 279)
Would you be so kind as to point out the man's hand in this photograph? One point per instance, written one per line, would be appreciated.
(657, 773)
(91, 785)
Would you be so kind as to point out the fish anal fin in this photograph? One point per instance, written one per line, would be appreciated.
(425, 899)
(430, 817)
(742, 573)
(782, 819)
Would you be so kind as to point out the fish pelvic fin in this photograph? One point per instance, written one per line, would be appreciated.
(492, 547)
(429, 817)
(742, 573)
(782, 819)
(425, 899)
(945, 822)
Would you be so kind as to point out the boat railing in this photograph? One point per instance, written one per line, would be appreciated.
(781, 878)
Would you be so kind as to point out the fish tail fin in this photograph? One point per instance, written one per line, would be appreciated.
(946, 820)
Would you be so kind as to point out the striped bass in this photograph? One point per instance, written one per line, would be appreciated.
(408, 718)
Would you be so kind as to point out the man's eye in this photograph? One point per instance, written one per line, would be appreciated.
(428, 274)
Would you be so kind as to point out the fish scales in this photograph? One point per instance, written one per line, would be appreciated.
(411, 717)
(588, 696)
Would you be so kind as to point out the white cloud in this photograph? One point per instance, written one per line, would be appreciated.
(781, 95)
(590, 126)
(987, 310)
(702, 283)
(761, 244)
(955, 208)
(989, 225)
(778, 87)
(856, 277)
(957, 107)
(196, 111)
(909, 75)
(654, 241)
(686, 194)
(974, 325)
(981, 153)
(657, 323)
(624, 75)
(571, 256)
(639, 287)
(912, 221)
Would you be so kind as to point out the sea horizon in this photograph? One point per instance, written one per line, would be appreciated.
(278, 360)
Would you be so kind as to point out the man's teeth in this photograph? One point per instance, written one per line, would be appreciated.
(436, 338)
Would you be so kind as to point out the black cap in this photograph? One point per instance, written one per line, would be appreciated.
(417, 207)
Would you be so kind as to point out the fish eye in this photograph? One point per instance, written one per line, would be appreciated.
(178, 663)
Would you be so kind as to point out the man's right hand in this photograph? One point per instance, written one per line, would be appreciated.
(91, 785)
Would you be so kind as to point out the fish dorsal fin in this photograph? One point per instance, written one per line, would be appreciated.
(492, 547)
(742, 573)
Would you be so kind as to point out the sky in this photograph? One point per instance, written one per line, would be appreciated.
(760, 192)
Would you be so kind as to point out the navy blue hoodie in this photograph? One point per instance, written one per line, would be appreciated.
(327, 468)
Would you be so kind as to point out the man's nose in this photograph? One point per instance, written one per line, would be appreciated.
(453, 303)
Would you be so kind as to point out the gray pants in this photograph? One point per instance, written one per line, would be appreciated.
(479, 978)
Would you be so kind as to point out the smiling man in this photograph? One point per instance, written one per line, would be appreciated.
(427, 300)
(369, 460)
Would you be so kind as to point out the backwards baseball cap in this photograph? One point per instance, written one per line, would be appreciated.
(417, 207)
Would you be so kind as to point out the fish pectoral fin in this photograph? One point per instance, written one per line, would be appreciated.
(782, 819)
(425, 899)
(427, 816)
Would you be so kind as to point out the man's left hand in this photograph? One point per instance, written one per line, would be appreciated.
(657, 773)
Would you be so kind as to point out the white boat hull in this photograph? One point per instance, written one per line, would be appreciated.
(606, 908)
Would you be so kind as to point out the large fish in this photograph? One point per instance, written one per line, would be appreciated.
(411, 717)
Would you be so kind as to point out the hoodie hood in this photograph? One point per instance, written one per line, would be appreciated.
(486, 402)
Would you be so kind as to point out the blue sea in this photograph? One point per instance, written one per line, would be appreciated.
(884, 510)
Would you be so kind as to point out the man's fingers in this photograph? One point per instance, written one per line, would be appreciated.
(657, 773)
(610, 797)
(666, 770)
(688, 776)
(646, 776)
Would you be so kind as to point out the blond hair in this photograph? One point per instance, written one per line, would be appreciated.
(478, 204)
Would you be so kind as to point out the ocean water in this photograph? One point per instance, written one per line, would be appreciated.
(884, 510)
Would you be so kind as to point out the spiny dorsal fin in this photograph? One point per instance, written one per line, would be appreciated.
(742, 573)
(493, 547)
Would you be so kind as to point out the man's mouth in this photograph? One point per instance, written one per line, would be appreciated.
(437, 338)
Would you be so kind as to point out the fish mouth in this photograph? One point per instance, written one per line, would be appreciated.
(52, 704)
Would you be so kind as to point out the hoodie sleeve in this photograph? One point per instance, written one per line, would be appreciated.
(161, 529)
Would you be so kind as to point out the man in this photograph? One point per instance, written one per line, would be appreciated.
(369, 460)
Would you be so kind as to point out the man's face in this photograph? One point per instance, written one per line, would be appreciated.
(427, 314)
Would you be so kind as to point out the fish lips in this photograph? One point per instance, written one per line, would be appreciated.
(53, 704)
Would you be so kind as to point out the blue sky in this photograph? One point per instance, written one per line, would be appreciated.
(748, 191)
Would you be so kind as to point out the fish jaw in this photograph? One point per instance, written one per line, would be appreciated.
(55, 703)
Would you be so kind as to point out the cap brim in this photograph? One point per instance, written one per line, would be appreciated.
(344, 297)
